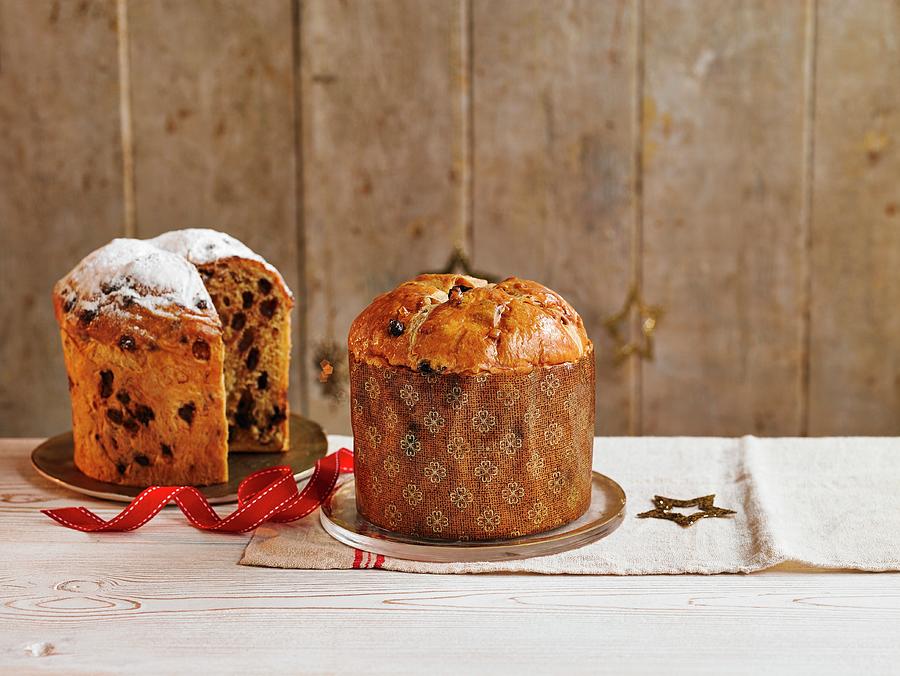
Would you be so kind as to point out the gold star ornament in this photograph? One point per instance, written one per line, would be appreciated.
(704, 505)
(617, 326)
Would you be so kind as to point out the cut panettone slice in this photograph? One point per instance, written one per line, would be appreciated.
(144, 352)
(254, 305)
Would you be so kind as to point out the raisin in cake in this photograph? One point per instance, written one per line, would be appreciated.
(155, 379)
(472, 409)
(254, 305)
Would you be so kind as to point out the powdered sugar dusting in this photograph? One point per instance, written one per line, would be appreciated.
(202, 245)
(134, 271)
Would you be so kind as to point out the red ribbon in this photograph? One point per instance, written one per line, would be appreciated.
(267, 495)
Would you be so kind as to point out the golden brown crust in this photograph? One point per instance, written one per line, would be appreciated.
(512, 326)
(148, 399)
(140, 323)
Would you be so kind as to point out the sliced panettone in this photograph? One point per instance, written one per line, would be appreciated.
(173, 346)
(143, 350)
(254, 305)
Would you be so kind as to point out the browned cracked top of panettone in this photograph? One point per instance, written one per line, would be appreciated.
(460, 324)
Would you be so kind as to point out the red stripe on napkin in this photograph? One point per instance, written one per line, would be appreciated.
(267, 495)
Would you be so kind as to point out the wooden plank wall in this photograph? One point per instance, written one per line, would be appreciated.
(855, 235)
(553, 134)
(734, 162)
(61, 189)
(722, 252)
(382, 132)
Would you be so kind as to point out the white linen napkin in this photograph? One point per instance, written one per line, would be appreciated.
(827, 502)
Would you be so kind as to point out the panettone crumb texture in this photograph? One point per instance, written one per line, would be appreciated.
(256, 325)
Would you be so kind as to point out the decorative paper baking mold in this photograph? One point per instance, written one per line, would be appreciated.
(472, 457)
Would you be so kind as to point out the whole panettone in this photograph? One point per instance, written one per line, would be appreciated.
(472, 409)
(176, 349)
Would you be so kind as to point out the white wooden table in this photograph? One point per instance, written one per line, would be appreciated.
(171, 599)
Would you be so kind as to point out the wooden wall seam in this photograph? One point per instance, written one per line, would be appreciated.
(635, 404)
(554, 118)
(382, 139)
(806, 206)
(301, 304)
(125, 122)
(467, 102)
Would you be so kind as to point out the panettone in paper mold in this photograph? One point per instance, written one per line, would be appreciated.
(472, 409)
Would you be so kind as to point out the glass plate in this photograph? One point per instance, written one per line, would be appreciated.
(53, 460)
(341, 520)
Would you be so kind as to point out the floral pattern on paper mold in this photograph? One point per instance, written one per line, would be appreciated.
(472, 457)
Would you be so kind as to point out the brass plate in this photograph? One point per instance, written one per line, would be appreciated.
(53, 460)
(341, 520)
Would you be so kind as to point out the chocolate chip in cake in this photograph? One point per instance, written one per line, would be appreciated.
(201, 350)
(264, 286)
(227, 301)
(278, 416)
(126, 301)
(106, 378)
(131, 425)
(123, 397)
(462, 288)
(244, 420)
(69, 304)
(396, 327)
(127, 343)
(109, 287)
(114, 415)
(246, 340)
(262, 382)
(87, 316)
(142, 460)
(238, 321)
(166, 450)
(201, 304)
(144, 414)
(183, 339)
(425, 367)
(244, 417)
(120, 466)
(268, 307)
(253, 359)
(246, 300)
(187, 411)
